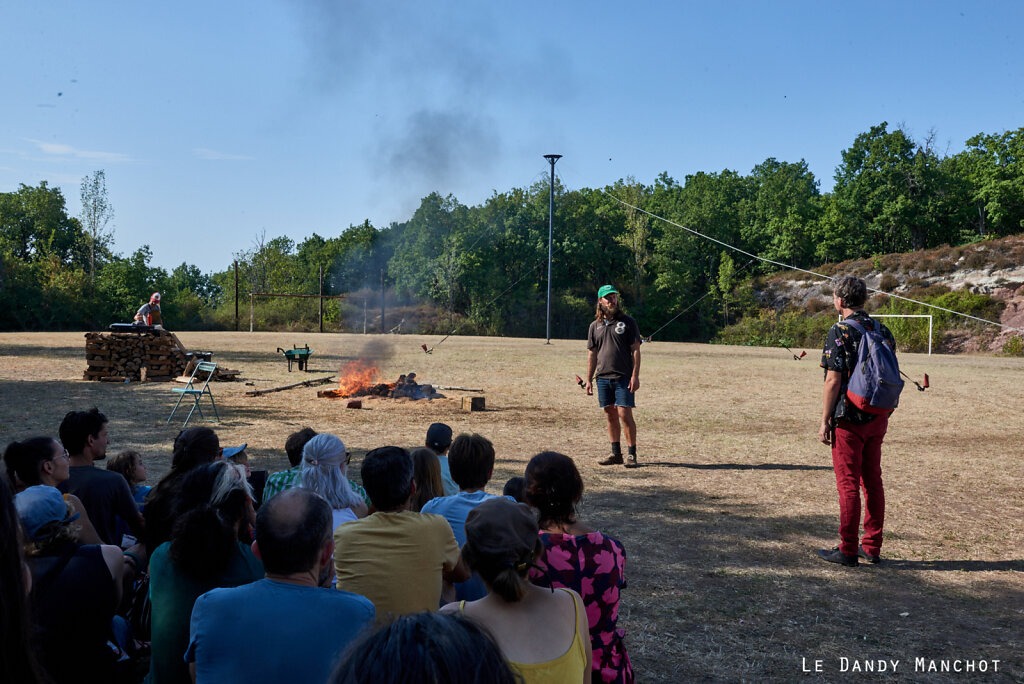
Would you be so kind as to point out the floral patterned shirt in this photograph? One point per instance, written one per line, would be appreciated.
(593, 565)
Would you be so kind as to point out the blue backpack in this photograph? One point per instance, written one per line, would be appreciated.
(875, 382)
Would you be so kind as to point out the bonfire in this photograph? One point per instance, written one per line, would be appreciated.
(361, 378)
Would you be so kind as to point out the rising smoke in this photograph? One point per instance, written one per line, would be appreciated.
(449, 60)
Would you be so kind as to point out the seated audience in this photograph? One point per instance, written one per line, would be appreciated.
(471, 458)
(75, 589)
(325, 471)
(18, 660)
(580, 558)
(395, 557)
(439, 438)
(426, 470)
(278, 482)
(193, 447)
(130, 466)
(203, 554)
(294, 541)
(543, 634)
(42, 460)
(257, 479)
(514, 488)
(426, 647)
(105, 495)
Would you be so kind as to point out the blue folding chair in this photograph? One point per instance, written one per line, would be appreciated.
(191, 390)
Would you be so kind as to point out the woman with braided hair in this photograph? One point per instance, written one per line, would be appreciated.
(580, 558)
(542, 633)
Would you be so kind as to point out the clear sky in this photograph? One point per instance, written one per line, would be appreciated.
(217, 121)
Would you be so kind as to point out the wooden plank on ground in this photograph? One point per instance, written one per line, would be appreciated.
(305, 383)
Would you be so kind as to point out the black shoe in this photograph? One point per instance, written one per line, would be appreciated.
(867, 556)
(631, 461)
(837, 556)
(614, 459)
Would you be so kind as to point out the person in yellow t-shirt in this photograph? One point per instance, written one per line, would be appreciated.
(396, 557)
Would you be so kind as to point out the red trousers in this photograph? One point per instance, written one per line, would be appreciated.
(857, 459)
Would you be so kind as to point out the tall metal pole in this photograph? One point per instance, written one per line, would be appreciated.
(552, 158)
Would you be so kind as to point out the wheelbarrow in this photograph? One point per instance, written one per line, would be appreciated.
(299, 355)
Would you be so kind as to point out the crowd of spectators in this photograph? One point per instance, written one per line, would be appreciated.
(219, 573)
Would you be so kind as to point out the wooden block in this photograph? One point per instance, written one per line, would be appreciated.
(354, 404)
(472, 404)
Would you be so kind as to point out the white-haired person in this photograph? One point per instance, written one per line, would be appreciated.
(324, 470)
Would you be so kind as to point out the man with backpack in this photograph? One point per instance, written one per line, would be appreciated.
(862, 387)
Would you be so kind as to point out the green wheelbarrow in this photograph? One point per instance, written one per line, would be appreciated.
(299, 355)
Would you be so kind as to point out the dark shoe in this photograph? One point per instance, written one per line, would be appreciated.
(614, 459)
(867, 556)
(631, 461)
(837, 556)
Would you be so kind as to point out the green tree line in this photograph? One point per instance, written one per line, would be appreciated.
(482, 269)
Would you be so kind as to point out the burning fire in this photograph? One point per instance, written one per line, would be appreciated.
(357, 375)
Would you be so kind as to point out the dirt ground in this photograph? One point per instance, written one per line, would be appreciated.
(722, 521)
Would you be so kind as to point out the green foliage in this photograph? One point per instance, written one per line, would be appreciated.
(769, 328)
(1014, 346)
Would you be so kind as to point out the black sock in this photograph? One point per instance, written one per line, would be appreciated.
(616, 448)
(632, 449)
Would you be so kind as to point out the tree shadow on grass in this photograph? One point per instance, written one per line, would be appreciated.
(730, 466)
(727, 587)
(953, 565)
(49, 352)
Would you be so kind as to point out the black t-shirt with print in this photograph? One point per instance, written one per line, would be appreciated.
(613, 340)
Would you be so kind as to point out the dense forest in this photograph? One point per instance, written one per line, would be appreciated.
(482, 269)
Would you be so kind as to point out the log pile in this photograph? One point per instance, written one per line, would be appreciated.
(114, 357)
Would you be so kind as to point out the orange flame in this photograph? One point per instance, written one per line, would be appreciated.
(357, 375)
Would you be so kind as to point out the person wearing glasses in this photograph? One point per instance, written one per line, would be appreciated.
(43, 461)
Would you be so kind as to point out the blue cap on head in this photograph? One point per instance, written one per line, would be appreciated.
(40, 505)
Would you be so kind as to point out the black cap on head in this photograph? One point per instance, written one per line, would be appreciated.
(439, 437)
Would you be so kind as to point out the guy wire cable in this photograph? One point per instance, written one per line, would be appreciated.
(508, 289)
(529, 271)
(706, 295)
(803, 270)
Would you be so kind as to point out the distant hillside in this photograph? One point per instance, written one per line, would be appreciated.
(986, 275)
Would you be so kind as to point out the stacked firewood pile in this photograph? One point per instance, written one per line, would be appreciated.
(117, 357)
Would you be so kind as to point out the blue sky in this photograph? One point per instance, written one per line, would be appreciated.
(217, 121)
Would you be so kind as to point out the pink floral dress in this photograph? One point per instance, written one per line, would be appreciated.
(593, 565)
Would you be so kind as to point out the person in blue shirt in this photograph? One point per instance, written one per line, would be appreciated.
(471, 458)
(288, 626)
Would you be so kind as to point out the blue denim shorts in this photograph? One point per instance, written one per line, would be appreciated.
(614, 391)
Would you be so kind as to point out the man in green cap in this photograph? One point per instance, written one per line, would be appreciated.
(613, 345)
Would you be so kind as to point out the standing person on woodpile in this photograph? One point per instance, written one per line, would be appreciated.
(854, 434)
(149, 314)
(613, 356)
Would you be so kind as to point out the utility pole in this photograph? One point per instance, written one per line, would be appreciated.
(321, 298)
(551, 222)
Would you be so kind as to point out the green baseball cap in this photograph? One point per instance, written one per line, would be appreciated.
(606, 290)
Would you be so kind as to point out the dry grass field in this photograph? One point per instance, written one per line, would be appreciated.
(722, 521)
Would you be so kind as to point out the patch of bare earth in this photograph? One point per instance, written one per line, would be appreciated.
(722, 522)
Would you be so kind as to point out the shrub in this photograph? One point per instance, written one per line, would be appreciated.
(888, 282)
(768, 328)
(1014, 346)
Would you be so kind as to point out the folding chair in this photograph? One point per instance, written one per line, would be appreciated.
(191, 390)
